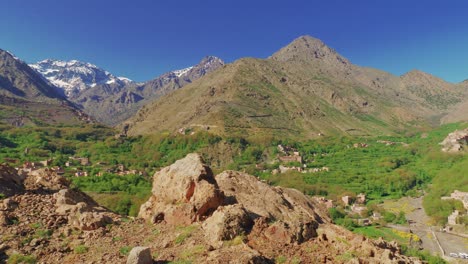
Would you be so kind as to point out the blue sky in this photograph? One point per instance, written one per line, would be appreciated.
(141, 39)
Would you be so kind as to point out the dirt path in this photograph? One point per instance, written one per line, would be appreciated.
(420, 223)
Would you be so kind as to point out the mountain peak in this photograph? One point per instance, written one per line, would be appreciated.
(308, 41)
(206, 65)
(307, 48)
(74, 76)
(211, 59)
(416, 75)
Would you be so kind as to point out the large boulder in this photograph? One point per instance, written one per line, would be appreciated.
(292, 213)
(183, 193)
(82, 211)
(45, 178)
(66, 199)
(10, 182)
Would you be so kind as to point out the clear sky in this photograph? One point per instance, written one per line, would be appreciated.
(141, 39)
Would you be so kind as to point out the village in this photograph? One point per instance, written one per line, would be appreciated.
(75, 167)
(288, 159)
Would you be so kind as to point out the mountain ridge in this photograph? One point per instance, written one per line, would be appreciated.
(306, 89)
(113, 104)
(75, 76)
(26, 98)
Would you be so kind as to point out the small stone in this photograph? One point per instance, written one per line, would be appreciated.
(34, 242)
(140, 255)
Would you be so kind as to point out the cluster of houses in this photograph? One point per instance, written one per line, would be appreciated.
(291, 155)
(357, 205)
(29, 167)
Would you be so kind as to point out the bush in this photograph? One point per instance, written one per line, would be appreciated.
(347, 223)
(335, 214)
(80, 249)
(125, 250)
(18, 258)
(389, 217)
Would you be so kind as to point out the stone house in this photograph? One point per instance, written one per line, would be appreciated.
(361, 198)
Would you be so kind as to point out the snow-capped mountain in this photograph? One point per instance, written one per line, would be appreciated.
(181, 72)
(75, 76)
(113, 105)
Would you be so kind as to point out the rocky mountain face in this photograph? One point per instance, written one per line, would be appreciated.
(112, 99)
(27, 98)
(303, 90)
(192, 216)
(18, 80)
(112, 104)
(74, 76)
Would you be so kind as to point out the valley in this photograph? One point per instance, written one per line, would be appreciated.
(298, 157)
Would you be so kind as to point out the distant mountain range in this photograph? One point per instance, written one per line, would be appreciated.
(112, 99)
(303, 90)
(75, 76)
(26, 98)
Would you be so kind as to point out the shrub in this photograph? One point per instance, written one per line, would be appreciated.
(125, 250)
(80, 249)
(18, 258)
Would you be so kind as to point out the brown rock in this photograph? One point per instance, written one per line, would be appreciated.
(140, 255)
(293, 213)
(4, 220)
(66, 199)
(183, 193)
(82, 212)
(93, 220)
(226, 223)
(240, 254)
(10, 182)
(45, 178)
(8, 205)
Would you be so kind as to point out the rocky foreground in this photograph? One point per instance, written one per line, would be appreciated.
(191, 217)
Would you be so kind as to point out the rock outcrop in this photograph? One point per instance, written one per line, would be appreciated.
(183, 193)
(45, 178)
(455, 141)
(291, 212)
(186, 192)
(227, 223)
(82, 212)
(198, 218)
(10, 182)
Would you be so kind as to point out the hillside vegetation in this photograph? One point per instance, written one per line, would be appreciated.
(381, 167)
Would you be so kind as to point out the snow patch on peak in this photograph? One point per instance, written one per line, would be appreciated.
(181, 72)
(75, 76)
(13, 55)
(124, 79)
